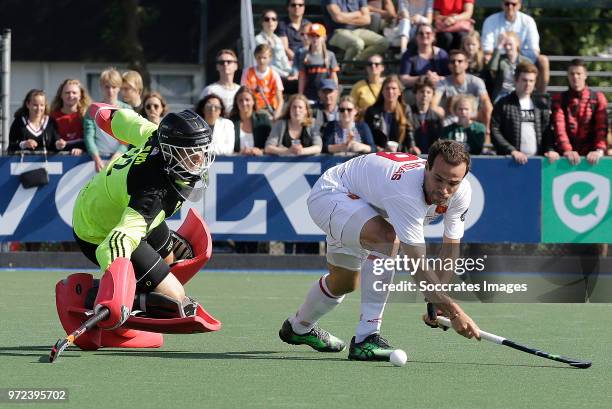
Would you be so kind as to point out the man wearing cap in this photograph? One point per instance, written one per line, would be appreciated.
(347, 21)
(326, 108)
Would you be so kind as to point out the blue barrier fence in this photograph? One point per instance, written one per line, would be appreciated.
(265, 199)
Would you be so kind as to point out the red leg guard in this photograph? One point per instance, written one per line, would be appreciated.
(116, 292)
(70, 296)
(131, 338)
(201, 322)
(196, 232)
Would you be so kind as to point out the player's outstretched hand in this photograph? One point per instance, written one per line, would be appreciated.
(464, 325)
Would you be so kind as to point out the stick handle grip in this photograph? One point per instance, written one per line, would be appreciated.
(483, 334)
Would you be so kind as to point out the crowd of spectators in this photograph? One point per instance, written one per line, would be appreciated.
(485, 89)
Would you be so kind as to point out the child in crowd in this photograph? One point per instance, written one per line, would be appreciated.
(265, 83)
(132, 89)
(471, 47)
(503, 63)
(280, 62)
(98, 143)
(319, 63)
(32, 128)
(466, 131)
(426, 122)
(68, 109)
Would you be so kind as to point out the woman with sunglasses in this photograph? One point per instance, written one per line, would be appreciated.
(346, 136)
(154, 107)
(280, 62)
(211, 108)
(294, 134)
(226, 88)
(365, 92)
(388, 118)
(429, 60)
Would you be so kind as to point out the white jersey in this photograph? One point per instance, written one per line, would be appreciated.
(392, 183)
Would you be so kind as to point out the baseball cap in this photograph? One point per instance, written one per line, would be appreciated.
(328, 84)
(317, 29)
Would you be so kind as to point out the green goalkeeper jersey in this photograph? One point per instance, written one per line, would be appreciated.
(130, 197)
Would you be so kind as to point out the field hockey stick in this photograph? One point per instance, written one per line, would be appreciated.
(443, 321)
(64, 343)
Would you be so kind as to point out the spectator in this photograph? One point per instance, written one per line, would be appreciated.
(520, 125)
(226, 88)
(502, 66)
(132, 89)
(265, 83)
(290, 28)
(468, 132)
(154, 107)
(453, 19)
(251, 129)
(33, 129)
(280, 62)
(345, 136)
(319, 63)
(300, 54)
(98, 142)
(326, 108)
(388, 118)
(294, 134)
(411, 14)
(426, 122)
(580, 118)
(460, 82)
(211, 108)
(348, 20)
(382, 14)
(428, 60)
(470, 45)
(365, 92)
(511, 19)
(67, 110)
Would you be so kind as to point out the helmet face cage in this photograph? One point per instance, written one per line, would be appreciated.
(188, 163)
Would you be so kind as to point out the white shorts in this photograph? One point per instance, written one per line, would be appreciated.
(341, 215)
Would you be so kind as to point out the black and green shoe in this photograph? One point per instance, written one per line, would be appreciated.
(318, 339)
(373, 348)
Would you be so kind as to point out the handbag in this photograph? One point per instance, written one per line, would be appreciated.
(35, 177)
(463, 25)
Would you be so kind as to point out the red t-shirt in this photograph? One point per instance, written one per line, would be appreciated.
(450, 7)
(69, 126)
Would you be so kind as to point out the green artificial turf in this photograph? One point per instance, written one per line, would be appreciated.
(245, 365)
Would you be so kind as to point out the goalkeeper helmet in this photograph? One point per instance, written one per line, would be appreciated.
(185, 141)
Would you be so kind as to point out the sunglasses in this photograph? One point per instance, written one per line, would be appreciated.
(510, 4)
(212, 107)
(296, 5)
(374, 64)
(268, 19)
(154, 106)
(342, 110)
(224, 62)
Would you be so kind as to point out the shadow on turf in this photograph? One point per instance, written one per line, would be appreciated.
(271, 355)
(36, 349)
(492, 364)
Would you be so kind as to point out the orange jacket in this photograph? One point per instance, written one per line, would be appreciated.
(263, 88)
